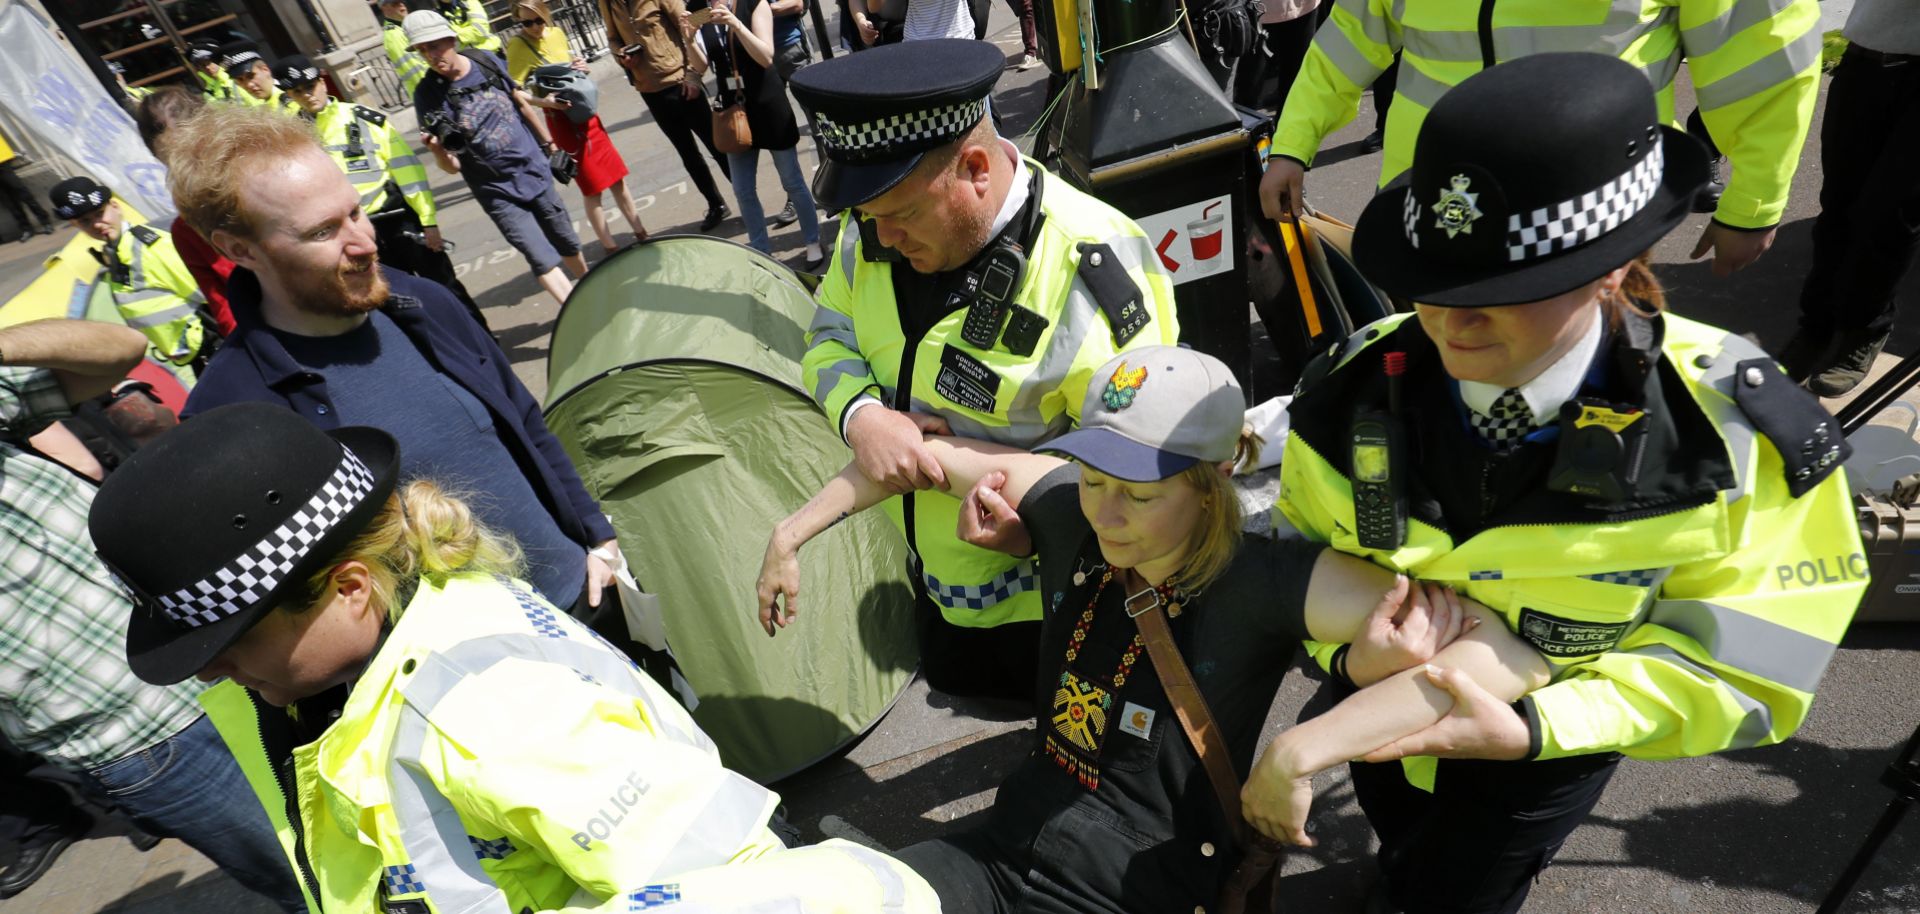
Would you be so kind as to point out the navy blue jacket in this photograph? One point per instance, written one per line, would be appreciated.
(253, 366)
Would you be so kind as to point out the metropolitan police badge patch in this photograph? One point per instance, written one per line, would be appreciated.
(1457, 209)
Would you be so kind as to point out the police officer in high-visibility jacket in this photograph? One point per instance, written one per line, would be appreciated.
(1650, 501)
(407, 63)
(204, 61)
(969, 289)
(470, 24)
(1755, 67)
(424, 731)
(150, 284)
(252, 79)
(385, 171)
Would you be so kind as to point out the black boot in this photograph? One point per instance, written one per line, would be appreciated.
(32, 861)
(1808, 350)
(1855, 355)
(715, 214)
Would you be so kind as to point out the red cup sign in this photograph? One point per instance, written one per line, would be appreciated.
(1193, 241)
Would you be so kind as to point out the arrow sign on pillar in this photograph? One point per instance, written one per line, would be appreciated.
(1172, 265)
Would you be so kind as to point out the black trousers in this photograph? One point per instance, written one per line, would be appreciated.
(34, 812)
(1383, 88)
(20, 199)
(1283, 49)
(1477, 841)
(999, 662)
(392, 226)
(682, 119)
(1868, 230)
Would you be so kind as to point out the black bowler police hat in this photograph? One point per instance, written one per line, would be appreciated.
(220, 520)
(294, 71)
(880, 111)
(78, 196)
(1530, 179)
(238, 57)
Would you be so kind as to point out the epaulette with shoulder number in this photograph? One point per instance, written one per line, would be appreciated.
(145, 235)
(1114, 291)
(369, 115)
(1806, 435)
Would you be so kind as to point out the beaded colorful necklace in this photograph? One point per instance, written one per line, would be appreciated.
(1082, 706)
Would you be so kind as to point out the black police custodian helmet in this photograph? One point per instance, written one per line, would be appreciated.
(78, 196)
(880, 111)
(1530, 179)
(220, 520)
(294, 71)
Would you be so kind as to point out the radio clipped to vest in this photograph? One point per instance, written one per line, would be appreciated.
(996, 277)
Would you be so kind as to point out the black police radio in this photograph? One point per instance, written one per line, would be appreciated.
(1379, 467)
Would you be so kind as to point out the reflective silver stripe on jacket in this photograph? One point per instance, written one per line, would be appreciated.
(1765, 73)
(444, 864)
(1747, 642)
(1755, 725)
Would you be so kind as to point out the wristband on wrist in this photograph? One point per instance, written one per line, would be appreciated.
(1338, 666)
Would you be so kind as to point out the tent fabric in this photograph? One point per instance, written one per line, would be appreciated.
(675, 368)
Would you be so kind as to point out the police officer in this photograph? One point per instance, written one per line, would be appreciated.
(470, 24)
(1755, 68)
(151, 286)
(969, 288)
(1647, 500)
(390, 178)
(407, 63)
(252, 80)
(204, 60)
(446, 739)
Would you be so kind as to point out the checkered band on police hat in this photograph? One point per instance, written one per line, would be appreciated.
(1570, 223)
(236, 59)
(288, 77)
(898, 135)
(78, 196)
(248, 579)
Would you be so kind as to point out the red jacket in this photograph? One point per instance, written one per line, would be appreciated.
(209, 269)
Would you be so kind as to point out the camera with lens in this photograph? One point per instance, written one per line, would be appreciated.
(443, 128)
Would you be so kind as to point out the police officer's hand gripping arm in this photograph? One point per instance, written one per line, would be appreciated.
(1349, 52)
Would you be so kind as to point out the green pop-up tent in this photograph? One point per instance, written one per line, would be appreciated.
(674, 382)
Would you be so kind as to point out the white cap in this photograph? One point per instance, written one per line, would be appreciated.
(423, 26)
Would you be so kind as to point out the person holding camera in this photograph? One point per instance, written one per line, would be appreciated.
(646, 39)
(480, 126)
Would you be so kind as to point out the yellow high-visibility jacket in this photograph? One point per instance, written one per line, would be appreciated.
(156, 294)
(1755, 66)
(1698, 616)
(370, 152)
(470, 24)
(407, 62)
(497, 756)
(856, 346)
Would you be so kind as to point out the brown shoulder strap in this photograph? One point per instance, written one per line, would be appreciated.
(1189, 705)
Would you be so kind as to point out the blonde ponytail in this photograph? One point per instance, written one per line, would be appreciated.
(423, 531)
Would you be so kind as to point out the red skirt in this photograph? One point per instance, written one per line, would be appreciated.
(600, 164)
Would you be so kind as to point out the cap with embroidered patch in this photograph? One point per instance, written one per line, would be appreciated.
(78, 196)
(1155, 411)
(881, 110)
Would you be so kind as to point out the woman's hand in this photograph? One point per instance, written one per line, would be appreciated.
(869, 35)
(600, 569)
(1412, 623)
(723, 16)
(987, 521)
(578, 65)
(1276, 800)
(779, 578)
(1480, 726)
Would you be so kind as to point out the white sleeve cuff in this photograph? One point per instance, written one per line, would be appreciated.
(859, 403)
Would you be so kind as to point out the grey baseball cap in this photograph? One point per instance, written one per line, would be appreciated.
(1155, 411)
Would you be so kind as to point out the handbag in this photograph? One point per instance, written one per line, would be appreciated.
(731, 132)
(1252, 885)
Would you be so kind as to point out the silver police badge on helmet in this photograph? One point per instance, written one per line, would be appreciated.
(1457, 208)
